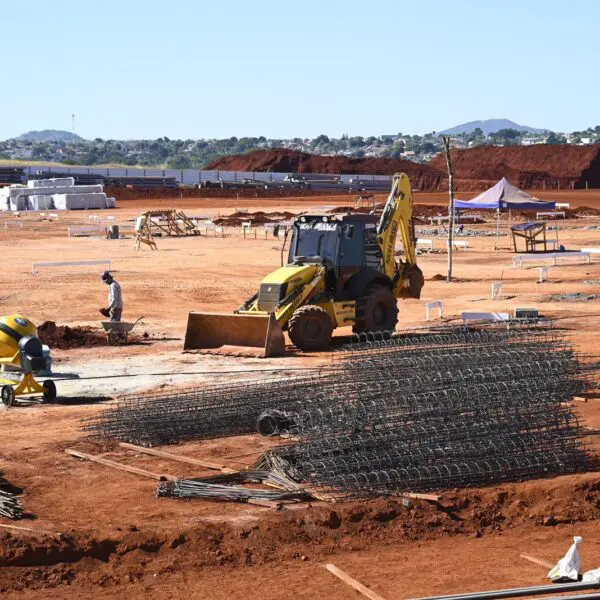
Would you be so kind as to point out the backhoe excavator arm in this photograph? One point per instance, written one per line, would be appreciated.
(397, 217)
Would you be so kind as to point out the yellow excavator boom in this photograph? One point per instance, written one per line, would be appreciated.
(397, 218)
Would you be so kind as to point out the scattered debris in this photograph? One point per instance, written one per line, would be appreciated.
(572, 297)
(256, 218)
(9, 503)
(439, 232)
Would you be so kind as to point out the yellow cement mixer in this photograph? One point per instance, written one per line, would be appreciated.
(20, 347)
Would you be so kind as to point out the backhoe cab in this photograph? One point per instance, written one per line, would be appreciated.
(339, 272)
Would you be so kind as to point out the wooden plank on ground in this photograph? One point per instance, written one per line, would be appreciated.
(416, 496)
(266, 503)
(27, 529)
(178, 457)
(115, 465)
(357, 585)
(537, 561)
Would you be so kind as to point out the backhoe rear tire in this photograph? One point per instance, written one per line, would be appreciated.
(376, 310)
(310, 328)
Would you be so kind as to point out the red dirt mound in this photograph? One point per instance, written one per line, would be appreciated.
(528, 167)
(291, 161)
(256, 218)
(66, 338)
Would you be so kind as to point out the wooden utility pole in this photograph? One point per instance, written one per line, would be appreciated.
(450, 204)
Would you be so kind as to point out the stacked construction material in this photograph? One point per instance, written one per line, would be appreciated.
(9, 503)
(426, 411)
(441, 410)
(219, 487)
(53, 194)
(212, 411)
(78, 178)
(142, 182)
(11, 174)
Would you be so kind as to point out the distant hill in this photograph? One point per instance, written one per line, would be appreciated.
(50, 135)
(491, 126)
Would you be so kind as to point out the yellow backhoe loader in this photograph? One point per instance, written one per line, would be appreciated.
(339, 272)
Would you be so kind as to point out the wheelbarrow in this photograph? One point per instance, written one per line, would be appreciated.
(117, 332)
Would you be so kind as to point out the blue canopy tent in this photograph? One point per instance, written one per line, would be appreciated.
(504, 197)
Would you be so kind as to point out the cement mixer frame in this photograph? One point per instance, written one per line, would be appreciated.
(20, 347)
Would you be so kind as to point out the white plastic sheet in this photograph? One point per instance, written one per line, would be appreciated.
(592, 576)
(569, 566)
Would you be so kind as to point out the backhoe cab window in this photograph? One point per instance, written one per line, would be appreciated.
(315, 239)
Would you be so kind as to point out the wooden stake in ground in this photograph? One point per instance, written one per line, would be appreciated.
(450, 204)
(357, 585)
(537, 561)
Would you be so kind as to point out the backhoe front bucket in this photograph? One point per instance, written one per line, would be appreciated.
(213, 330)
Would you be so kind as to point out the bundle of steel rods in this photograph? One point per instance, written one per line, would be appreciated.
(9, 503)
(443, 409)
(220, 487)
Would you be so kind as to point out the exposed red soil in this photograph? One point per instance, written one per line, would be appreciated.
(105, 559)
(65, 337)
(531, 167)
(292, 161)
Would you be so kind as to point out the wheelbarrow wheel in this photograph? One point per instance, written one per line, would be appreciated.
(8, 395)
(50, 390)
(113, 338)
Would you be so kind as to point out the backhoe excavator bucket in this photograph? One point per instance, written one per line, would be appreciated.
(213, 330)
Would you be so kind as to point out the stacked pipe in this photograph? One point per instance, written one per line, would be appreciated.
(443, 409)
(9, 503)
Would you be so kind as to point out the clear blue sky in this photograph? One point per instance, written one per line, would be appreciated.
(191, 69)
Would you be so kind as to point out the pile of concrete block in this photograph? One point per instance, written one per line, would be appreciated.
(54, 194)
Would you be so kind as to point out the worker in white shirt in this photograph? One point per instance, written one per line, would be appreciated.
(115, 298)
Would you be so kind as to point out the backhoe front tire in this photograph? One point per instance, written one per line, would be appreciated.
(310, 328)
(376, 310)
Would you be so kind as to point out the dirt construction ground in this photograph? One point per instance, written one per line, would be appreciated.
(97, 532)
